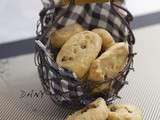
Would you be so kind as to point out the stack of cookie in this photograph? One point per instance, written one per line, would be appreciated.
(96, 57)
(98, 110)
(91, 55)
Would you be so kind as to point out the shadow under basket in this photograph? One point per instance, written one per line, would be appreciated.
(61, 84)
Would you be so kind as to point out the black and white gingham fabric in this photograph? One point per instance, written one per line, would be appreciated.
(61, 83)
(91, 16)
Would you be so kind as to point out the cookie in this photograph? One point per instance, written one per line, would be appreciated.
(107, 39)
(99, 88)
(124, 112)
(96, 110)
(79, 51)
(59, 37)
(110, 63)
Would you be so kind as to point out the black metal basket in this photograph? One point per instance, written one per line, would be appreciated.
(61, 84)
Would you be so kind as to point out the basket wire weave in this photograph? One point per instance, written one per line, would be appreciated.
(77, 94)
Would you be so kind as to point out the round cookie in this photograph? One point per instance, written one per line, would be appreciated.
(124, 112)
(110, 63)
(59, 37)
(79, 51)
(96, 110)
(107, 40)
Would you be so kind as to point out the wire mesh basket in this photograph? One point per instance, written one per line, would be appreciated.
(61, 84)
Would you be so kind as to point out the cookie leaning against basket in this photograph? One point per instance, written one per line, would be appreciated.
(98, 110)
(65, 64)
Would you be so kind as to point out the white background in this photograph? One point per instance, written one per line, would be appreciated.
(18, 17)
(139, 7)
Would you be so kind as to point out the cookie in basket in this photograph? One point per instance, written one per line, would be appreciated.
(107, 39)
(124, 112)
(59, 37)
(79, 51)
(96, 110)
(110, 63)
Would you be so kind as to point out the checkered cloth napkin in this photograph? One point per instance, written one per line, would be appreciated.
(63, 84)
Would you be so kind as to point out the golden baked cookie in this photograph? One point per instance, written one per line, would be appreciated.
(99, 88)
(59, 37)
(110, 63)
(124, 112)
(96, 110)
(79, 51)
(107, 40)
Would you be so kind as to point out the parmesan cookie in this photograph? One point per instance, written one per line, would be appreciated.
(59, 37)
(107, 40)
(110, 63)
(79, 51)
(99, 88)
(124, 112)
(96, 110)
